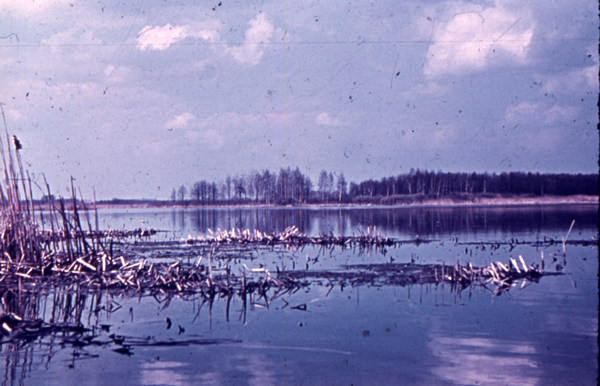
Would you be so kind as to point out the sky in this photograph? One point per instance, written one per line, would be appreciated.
(135, 98)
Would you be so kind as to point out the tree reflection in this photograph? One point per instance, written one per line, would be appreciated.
(430, 222)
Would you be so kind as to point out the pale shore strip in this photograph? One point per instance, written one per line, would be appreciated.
(456, 201)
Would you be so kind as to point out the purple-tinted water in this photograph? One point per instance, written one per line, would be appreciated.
(476, 223)
(544, 333)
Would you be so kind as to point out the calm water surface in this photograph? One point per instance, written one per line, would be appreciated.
(543, 334)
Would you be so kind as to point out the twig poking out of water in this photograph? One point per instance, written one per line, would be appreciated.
(564, 240)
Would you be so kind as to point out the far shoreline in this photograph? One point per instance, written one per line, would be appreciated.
(422, 202)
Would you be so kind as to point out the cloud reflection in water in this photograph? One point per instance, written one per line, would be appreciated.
(477, 361)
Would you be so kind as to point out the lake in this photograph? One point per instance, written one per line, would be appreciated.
(332, 331)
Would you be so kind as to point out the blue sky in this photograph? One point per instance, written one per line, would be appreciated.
(135, 98)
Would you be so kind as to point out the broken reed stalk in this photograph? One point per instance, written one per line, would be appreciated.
(21, 240)
(291, 236)
(18, 229)
(564, 240)
(95, 271)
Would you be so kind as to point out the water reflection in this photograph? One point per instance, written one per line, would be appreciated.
(69, 321)
(163, 373)
(266, 220)
(472, 222)
(481, 361)
(331, 329)
(430, 222)
(250, 368)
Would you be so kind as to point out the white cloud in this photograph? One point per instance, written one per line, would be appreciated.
(180, 121)
(231, 121)
(524, 111)
(28, 7)
(324, 119)
(71, 37)
(577, 80)
(429, 88)
(118, 75)
(213, 137)
(207, 30)
(442, 137)
(476, 39)
(557, 114)
(160, 38)
(14, 115)
(109, 70)
(215, 129)
(528, 112)
(252, 50)
(249, 52)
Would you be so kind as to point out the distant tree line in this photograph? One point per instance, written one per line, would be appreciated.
(438, 184)
(291, 186)
(286, 187)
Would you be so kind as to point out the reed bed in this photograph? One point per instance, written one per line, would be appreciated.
(24, 315)
(71, 260)
(497, 277)
(88, 259)
(211, 274)
(72, 253)
(68, 249)
(291, 236)
(67, 254)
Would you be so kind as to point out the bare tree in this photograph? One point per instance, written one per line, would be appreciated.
(195, 192)
(238, 186)
(323, 180)
(228, 187)
(254, 184)
(213, 192)
(341, 186)
(203, 191)
(181, 192)
(269, 184)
